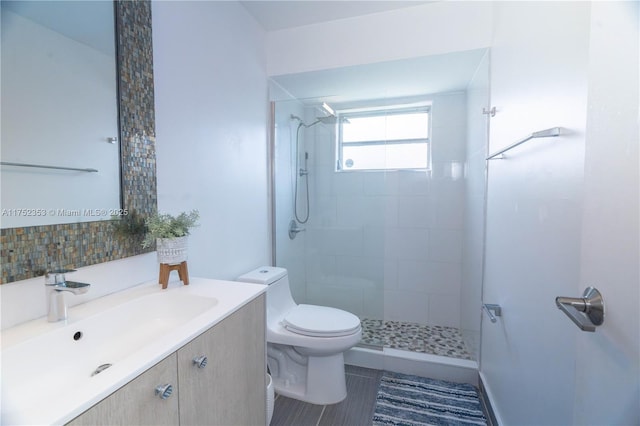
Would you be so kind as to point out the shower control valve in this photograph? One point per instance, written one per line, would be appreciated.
(293, 229)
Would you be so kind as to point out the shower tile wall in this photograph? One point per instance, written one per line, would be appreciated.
(394, 235)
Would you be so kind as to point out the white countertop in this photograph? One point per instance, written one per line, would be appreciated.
(20, 405)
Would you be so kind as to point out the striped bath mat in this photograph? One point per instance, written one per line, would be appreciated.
(411, 400)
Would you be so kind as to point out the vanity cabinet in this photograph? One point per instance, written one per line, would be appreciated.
(229, 389)
(136, 403)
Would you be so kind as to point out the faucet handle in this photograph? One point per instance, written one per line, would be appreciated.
(61, 271)
(76, 287)
(56, 276)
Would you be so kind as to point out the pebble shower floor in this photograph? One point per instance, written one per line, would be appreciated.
(430, 339)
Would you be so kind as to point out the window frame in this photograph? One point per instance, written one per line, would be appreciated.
(386, 110)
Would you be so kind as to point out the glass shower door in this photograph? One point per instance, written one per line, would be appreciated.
(329, 226)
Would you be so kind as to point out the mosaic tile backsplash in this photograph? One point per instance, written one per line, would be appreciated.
(28, 251)
(430, 339)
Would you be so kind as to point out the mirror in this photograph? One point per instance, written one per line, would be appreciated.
(26, 251)
(60, 150)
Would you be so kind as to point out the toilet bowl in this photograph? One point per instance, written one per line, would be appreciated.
(305, 343)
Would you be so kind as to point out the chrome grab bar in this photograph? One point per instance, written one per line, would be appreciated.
(587, 312)
(493, 311)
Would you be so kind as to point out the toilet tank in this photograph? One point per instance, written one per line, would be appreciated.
(279, 299)
(263, 275)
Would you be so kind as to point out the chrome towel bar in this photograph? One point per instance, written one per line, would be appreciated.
(42, 166)
(554, 131)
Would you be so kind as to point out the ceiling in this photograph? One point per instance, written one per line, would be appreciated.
(392, 79)
(278, 15)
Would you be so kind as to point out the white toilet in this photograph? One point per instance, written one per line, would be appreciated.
(305, 343)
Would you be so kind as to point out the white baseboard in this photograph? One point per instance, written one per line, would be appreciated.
(490, 401)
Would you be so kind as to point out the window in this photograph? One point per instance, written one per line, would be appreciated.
(393, 138)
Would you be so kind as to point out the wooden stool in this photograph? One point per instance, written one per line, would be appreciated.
(166, 269)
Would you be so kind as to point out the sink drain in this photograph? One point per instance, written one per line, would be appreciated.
(100, 369)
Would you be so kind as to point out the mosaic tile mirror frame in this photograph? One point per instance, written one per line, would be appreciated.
(26, 251)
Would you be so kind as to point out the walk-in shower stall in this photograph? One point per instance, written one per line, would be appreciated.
(378, 189)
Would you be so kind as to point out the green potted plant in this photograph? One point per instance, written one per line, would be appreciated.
(170, 235)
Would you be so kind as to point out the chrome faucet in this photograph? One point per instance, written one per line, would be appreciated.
(55, 285)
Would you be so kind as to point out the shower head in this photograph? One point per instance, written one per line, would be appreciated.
(329, 119)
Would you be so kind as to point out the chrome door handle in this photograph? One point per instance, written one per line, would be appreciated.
(587, 312)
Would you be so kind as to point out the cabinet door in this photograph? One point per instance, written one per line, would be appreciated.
(231, 388)
(137, 403)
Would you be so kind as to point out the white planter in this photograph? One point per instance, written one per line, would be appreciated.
(172, 251)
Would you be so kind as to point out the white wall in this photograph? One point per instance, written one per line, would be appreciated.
(428, 29)
(608, 362)
(538, 80)
(211, 124)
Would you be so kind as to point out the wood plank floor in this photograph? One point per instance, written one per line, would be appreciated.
(355, 410)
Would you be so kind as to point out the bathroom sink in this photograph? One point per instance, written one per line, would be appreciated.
(80, 354)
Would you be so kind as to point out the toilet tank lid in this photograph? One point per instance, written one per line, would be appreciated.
(263, 275)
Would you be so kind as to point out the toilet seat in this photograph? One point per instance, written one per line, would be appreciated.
(320, 321)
